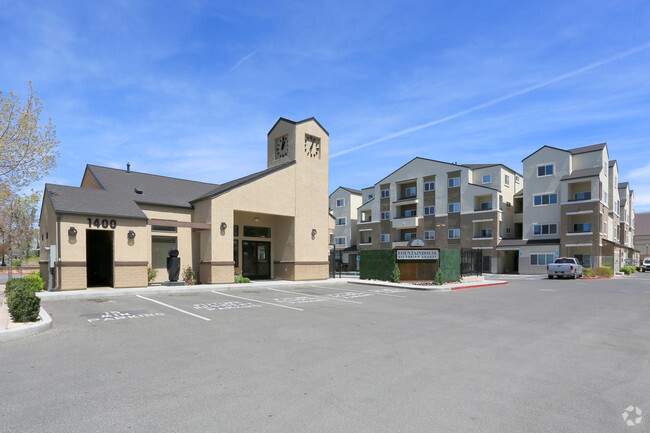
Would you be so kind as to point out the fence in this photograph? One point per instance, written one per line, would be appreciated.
(471, 262)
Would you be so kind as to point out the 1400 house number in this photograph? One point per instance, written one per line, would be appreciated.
(102, 223)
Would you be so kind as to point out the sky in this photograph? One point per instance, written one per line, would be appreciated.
(190, 89)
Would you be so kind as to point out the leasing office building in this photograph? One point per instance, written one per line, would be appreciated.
(271, 224)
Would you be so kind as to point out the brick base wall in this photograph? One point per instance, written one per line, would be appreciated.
(311, 272)
(211, 273)
(130, 276)
(73, 277)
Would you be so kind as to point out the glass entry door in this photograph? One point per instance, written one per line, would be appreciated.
(256, 260)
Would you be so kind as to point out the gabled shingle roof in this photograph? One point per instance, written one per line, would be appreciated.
(159, 190)
(585, 172)
(585, 149)
(223, 188)
(91, 201)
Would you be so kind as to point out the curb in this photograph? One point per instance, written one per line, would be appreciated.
(162, 290)
(12, 334)
(441, 288)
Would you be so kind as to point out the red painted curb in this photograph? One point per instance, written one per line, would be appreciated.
(478, 287)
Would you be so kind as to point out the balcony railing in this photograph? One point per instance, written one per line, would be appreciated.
(482, 208)
(581, 196)
(406, 222)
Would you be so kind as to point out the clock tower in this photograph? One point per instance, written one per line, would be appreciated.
(306, 145)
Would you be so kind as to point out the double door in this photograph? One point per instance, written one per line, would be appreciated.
(256, 260)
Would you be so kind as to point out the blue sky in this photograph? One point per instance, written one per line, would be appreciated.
(190, 89)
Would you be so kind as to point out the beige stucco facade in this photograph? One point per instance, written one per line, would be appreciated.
(280, 213)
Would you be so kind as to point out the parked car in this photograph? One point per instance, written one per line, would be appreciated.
(564, 267)
(645, 266)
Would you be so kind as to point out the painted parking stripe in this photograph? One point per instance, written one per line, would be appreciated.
(315, 296)
(255, 300)
(360, 291)
(173, 308)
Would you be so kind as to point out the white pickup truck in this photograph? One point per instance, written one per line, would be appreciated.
(564, 267)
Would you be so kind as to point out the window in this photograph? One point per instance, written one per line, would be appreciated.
(257, 232)
(429, 186)
(544, 199)
(429, 210)
(430, 235)
(163, 229)
(340, 241)
(340, 202)
(341, 221)
(454, 234)
(385, 193)
(541, 259)
(235, 252)
(517, 179)
(453, 182)
(545, 170)
(370, 196)
(486, 205)
(235, 230)
(508, 231)
(160, 246)
(454, 207)
(410, 213)
(583, 196)
(487, 179)
(583, 259)
(385, 215)
(545, 229)
(409, 236)
(582, 227)
(384, 238)
(605, 227)
(507, 179)
(410, 191)
(616, 206)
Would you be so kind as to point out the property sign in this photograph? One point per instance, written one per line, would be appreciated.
(418, 254)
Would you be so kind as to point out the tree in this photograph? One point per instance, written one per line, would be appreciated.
(17, 218)
(27, 147)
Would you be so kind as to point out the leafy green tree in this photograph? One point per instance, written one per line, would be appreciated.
(17, 219)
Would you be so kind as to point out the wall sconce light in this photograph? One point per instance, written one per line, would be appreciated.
(256, 219)
(72, 231)
(313, 232)
(224, 226)
(131, 234)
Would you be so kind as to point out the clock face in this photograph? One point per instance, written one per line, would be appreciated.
(281, 147)
(312, 146)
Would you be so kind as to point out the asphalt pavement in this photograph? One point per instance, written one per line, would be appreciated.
(531, 356)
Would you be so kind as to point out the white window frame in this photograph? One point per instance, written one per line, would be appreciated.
(410, 236)
(549, 194)
(385, 193)
(541, 229)
(507, 180)
(453, 207)
(430, 235)
(453, 182)
(384, 237)
(429, 210)
(339, 223)
(337, 239)
(342, 200)
(545, 174)
(517, 179)
(409, 188)
(489, 178)
(451, 233)
(385, 215)
(370, 197)
(430, 186)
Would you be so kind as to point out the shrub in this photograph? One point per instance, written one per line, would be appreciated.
(34, 281)
(15, 284)
(240, 279)
(604, 272)
(587, 272)
(15, 262)
(23, 305)
(188, 276)
(627, 270)
(151, 274)
(439, 280)
(394, 276)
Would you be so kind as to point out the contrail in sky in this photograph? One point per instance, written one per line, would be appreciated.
(497, 100)
(243, 60)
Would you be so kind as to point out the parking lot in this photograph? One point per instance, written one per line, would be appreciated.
(533, 355)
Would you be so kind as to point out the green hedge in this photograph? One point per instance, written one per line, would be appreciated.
(32, 282)
(450, 265)
(377, 264)
(627, 270)
(23, 305)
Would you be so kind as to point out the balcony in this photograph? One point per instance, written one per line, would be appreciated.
(406, 222)
(580, 196)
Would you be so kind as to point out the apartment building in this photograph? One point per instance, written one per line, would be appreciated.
(642, 234)
(446, 205)
(343, 204)
(572, 205)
